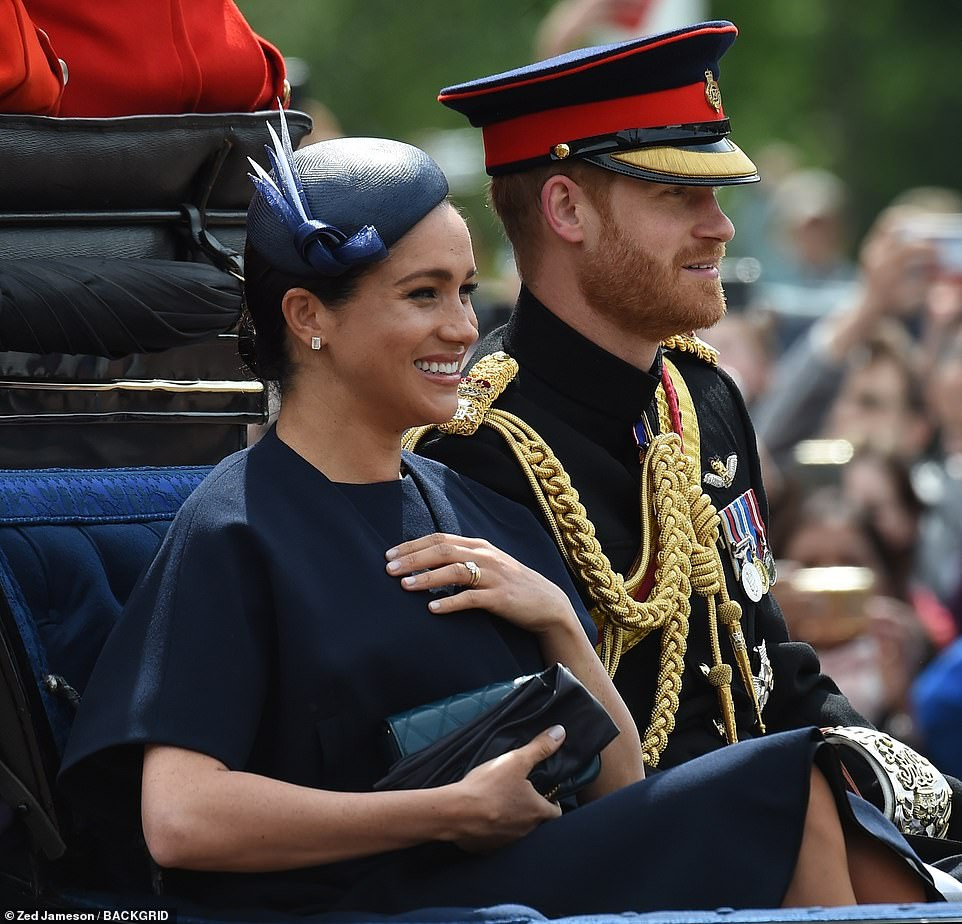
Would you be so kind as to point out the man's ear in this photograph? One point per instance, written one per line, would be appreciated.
(564, 206)
(306, 317)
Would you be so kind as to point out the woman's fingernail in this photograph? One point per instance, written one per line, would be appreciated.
(434, 605)
(390, 553)
(393, 566)
(409, 581)
(556, 732)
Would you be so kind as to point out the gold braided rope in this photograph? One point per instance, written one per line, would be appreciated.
(686, 532)
(706, 565)
(711, 581)
(689, 343)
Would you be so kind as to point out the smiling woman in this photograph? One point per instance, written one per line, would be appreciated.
(383, 343)
(322, 580)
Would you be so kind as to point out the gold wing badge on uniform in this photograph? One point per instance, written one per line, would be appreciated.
(723, 473)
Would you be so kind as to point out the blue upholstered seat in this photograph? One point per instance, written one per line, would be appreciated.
(72, 544)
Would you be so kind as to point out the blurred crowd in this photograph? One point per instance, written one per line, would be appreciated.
(852, 369)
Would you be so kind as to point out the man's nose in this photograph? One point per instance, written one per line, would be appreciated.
(715, 224)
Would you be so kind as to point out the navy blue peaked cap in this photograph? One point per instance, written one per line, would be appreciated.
(339, 203)
(649, 107)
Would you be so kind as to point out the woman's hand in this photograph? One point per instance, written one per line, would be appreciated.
(514, 592)
(497, 803)
(492, 581)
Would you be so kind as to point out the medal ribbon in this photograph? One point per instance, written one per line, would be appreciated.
(755, 515)
(741, 521)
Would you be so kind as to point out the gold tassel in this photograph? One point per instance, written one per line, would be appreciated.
(729, 612)
(720, 677)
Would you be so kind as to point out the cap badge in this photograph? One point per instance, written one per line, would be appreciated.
(712, 91)
(560, 151)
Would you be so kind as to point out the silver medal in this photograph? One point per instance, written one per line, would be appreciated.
(770, 566)
(752, 581)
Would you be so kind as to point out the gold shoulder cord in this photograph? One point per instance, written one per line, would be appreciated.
(686, 534)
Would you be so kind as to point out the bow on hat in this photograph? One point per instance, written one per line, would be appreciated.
(323, 247)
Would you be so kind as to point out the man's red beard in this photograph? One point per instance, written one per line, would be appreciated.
(641, 296)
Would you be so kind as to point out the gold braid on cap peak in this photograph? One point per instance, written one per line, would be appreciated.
(685, 544)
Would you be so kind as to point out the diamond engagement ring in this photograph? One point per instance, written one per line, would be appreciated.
(475, 573)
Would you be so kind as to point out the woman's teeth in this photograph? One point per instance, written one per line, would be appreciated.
(444, 368)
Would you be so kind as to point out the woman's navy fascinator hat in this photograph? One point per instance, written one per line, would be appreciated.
(340, 203)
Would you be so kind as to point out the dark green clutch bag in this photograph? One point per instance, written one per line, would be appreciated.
(440, 742)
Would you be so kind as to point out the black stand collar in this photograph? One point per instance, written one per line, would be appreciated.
(571, 364)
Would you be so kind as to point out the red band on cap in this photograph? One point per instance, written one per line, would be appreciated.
(534, 135)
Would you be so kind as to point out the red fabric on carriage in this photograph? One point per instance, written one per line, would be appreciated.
(31, 78)
(126, 57)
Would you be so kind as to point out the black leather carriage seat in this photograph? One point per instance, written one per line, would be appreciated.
(120, 243)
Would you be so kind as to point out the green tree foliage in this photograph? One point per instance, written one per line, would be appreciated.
(866, 88)
(378, 64)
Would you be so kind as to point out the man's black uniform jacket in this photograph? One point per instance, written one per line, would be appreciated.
(584, 403)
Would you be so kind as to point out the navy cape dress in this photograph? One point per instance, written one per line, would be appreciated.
(267, 634)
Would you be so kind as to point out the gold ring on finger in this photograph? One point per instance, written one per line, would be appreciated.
(475, 573)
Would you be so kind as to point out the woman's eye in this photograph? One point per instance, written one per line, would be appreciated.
(468, 290)
(423, 294)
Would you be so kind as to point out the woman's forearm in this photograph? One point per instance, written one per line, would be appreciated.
(197, 814)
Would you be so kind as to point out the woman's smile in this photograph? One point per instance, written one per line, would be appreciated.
(443, 370)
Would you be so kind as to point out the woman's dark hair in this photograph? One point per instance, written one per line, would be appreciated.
(263, 343)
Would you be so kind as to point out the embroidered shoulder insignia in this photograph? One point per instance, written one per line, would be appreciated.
(478, 390)
(689, 343)
(722, 474)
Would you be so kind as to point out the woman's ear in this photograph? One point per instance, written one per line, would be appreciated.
(306, 317)
(563, 204)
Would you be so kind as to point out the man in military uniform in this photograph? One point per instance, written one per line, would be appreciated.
(596, 408)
